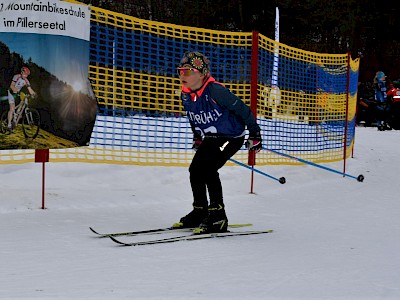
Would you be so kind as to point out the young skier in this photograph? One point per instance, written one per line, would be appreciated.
(218, 119)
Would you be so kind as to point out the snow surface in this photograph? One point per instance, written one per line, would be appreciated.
(334, 237)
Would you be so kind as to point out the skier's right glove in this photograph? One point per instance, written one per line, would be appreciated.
(254, 142)
(196, 143)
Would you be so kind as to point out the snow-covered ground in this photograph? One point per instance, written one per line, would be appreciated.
(334, 237)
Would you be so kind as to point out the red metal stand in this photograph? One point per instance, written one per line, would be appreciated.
(253, 97)
(42, 155)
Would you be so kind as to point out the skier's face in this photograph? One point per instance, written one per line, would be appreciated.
(190, 78)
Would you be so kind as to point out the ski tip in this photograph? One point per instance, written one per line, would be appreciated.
(94, 231)
(117, 241)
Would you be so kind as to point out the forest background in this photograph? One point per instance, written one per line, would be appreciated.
(368, 29)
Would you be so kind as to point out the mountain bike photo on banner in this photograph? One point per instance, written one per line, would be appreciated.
(46, 99)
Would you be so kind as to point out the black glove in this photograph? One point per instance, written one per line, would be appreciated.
(196, 143)
(254, 142)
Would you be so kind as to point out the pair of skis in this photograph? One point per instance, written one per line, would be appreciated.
(187, 237)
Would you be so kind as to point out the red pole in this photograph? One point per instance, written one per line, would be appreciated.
(253, 95)
(42, 155)
(43, 189)
(347, 113)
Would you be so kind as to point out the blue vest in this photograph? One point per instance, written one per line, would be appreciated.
(206, 114)
(380, 91)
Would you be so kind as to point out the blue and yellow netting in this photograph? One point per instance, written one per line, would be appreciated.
(305, 101)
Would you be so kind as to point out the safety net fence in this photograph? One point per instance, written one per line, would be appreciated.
(305, 102)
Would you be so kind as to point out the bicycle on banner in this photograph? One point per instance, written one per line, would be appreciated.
(30, 118)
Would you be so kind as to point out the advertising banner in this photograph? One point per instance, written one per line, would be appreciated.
(46, 101)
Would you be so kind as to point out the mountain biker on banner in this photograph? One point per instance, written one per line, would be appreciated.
(17, 83)
(218, 119)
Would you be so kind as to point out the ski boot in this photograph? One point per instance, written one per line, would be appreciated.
(192, 219)
(215, 222)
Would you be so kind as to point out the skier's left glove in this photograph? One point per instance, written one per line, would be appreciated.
(196, 143)
(254, 142)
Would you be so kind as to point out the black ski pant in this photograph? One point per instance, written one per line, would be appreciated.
(212, 154)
